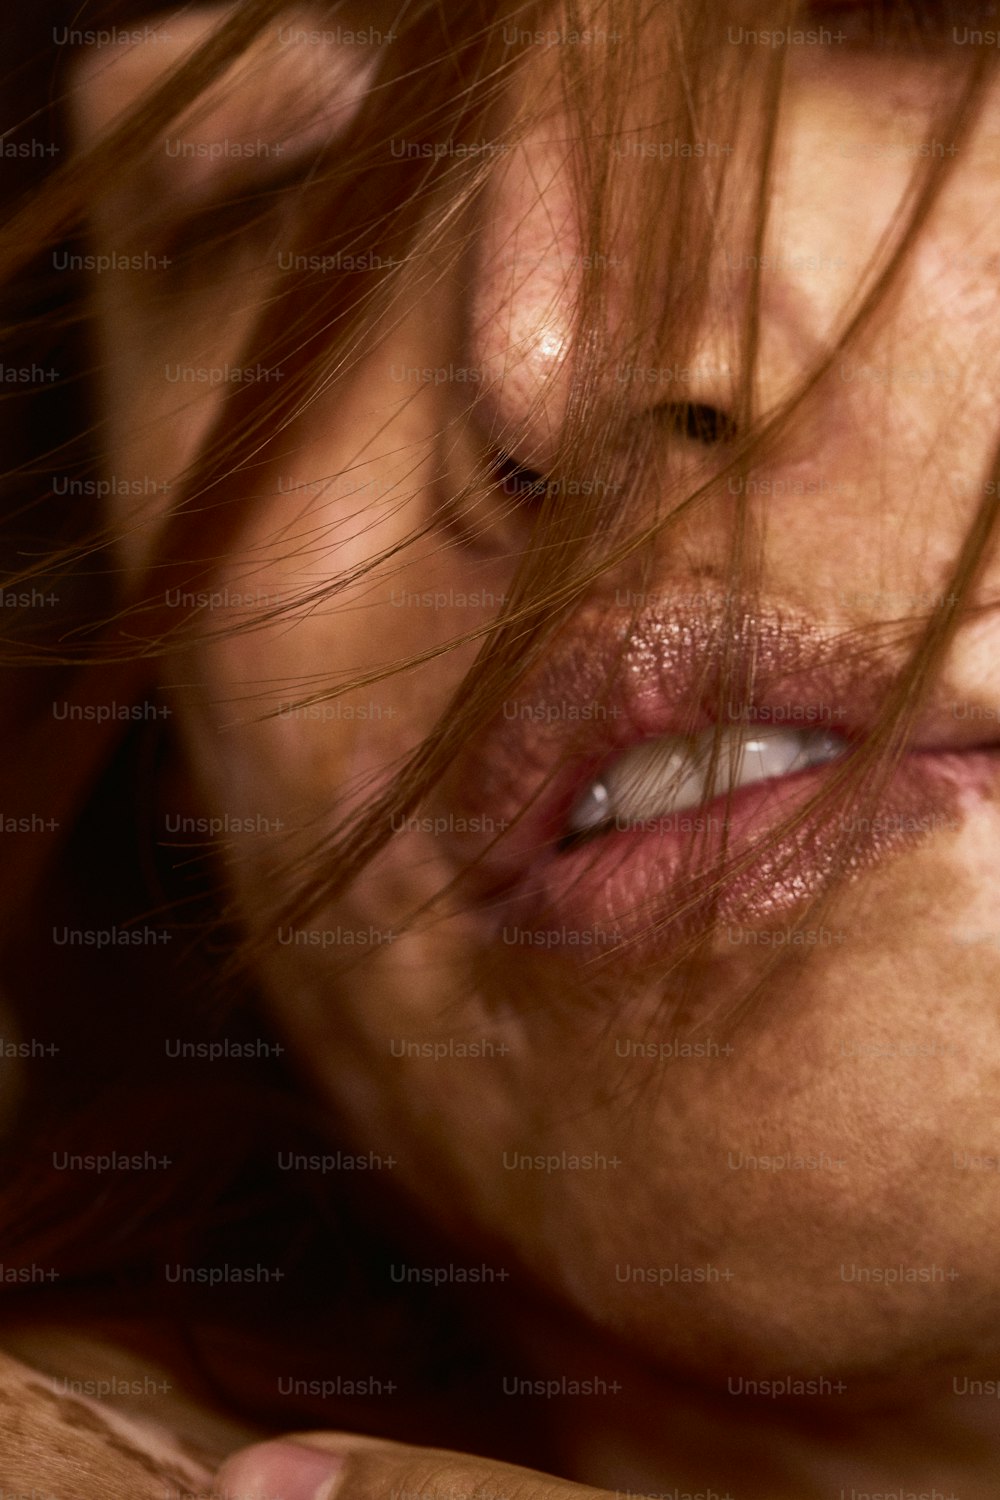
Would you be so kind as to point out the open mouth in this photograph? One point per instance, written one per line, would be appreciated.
(641, 799)
(657, 780)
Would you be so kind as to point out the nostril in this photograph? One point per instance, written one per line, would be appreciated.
(693, 421)
(696, 421)
(514, 480)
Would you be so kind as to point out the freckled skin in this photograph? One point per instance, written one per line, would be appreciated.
(798, 1081)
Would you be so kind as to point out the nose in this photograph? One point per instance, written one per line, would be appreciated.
(891, 444)
(527, 281)
(527, 338)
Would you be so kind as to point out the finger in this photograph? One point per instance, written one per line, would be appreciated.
(324, 1465)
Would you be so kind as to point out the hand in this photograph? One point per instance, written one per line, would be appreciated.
(321, 1465)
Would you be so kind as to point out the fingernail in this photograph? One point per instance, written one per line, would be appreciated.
(280, 1471)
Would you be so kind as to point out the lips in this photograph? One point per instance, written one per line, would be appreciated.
(616, 678)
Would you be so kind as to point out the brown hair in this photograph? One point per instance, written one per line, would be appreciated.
(447, 77)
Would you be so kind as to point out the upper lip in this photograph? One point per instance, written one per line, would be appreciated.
(616, 676)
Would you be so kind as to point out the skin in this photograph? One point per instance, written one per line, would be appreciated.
(879, 1054)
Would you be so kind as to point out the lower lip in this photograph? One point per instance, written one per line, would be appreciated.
(636, 895)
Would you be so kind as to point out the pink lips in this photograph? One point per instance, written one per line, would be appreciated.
(613, 679)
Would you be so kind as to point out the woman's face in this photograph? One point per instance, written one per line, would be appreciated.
(832, 1159)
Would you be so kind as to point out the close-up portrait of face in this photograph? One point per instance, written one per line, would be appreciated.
(500, 783)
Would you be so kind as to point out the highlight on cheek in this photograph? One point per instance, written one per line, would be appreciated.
(502, 768)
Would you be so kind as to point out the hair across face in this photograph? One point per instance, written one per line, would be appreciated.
(549, 464)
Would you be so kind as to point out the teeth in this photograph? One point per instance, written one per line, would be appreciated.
(670, 775)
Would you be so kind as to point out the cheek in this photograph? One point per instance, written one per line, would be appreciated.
(360, 482)
(819, 1163)
(702, 1193)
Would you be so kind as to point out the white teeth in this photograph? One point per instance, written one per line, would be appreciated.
(670, 775)
(591, 810)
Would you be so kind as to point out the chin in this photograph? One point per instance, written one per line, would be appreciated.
(721, 1309)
